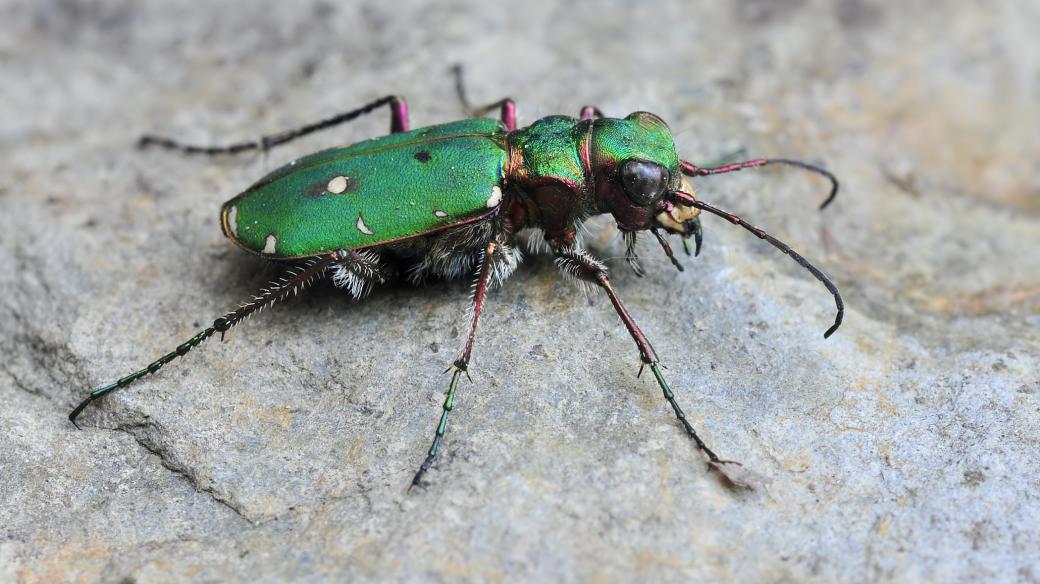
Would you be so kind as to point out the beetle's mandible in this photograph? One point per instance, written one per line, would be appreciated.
(470, 187)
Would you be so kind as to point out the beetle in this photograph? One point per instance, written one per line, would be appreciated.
(449, 200)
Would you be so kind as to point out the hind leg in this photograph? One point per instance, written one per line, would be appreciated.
(398, 123)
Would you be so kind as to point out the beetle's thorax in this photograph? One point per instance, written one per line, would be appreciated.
(548, 178)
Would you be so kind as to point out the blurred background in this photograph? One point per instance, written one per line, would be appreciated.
(904, 448)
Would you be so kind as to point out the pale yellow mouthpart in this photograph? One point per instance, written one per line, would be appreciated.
(679, 214)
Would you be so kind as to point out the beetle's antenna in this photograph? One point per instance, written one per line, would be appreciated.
(686, 199)
(294, 281)
(691, 169)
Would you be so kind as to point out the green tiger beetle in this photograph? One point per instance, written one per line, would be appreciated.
(449, 200)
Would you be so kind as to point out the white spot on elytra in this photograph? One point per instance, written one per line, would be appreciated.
(362, 227)
(337, 185)
(232, 220)
(440, 213)
(270, 243)
(495, 198)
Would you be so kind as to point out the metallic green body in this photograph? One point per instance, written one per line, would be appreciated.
(552, 148)
(446, 200)
(549, 151)
(373, 192)
(565, 169)
(641, 135)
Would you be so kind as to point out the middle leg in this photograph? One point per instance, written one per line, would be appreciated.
(584, 267)
(506, 106)
(461, 364)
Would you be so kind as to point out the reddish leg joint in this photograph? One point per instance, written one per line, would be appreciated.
(508, 116)
(646, 352)
(590, 112)
(398, 115)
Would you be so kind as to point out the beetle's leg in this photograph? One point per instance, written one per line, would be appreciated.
(667, 248)
(462, 363)
(584, 267)
(590, 112)
(293, 282)
(691, 169)
(398, 123)
(506, 106)
(359, 272)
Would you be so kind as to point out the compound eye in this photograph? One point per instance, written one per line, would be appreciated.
(644, 181)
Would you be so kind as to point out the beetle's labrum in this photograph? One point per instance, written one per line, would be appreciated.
(448, 201)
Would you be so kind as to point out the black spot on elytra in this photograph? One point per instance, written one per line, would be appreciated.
(423, 156)
(317, 189)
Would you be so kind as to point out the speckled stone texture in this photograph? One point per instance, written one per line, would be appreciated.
(903, 449)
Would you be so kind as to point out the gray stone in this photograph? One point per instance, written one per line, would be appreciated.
(904, 448)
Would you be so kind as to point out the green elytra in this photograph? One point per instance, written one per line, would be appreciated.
(410, 184)
(448, 200)
(376, 191)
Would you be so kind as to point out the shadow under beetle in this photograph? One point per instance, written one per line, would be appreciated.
(448, 201)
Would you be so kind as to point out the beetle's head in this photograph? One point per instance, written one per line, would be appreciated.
(636, 170)
(639, 180)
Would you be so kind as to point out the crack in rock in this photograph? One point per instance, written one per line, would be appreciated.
(141, 432)
(54, 365)
(58, 367)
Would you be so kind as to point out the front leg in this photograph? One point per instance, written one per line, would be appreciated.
(582, 266)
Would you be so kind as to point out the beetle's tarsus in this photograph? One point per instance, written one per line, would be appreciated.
(419, 474)
(75, 413)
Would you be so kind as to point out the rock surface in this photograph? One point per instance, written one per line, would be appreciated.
(905, 448)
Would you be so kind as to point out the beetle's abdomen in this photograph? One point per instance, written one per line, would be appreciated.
(373, 192)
